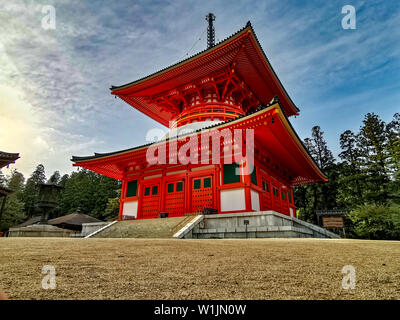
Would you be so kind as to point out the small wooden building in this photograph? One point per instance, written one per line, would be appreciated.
(73, 221)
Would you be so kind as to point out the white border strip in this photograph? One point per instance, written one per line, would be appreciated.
(187, 227)
(101, 229)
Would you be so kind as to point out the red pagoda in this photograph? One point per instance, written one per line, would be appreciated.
(230, 86)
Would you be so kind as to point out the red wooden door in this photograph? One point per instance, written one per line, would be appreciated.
(150, 200)
(175, 198)
(266, 201)
(202, 193)
(276, 200)
(285, 204)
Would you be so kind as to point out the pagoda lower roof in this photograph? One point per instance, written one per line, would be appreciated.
(241, 53)
(276, 136)
(6, 158)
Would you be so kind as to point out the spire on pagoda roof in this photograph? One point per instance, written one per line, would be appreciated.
(210, 30)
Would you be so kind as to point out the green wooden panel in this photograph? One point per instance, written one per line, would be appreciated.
(229, 173)
(207, 183)
(170, 187)
(267, 185)
(253, 176)
(263, 185)
(179, 186)
(290, 196)
(154, 190)
(131, 189)
(197, 184)
(147, 191)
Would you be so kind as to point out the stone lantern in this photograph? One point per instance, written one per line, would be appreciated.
(49, 194)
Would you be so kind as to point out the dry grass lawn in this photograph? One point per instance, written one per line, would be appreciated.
(199, 269)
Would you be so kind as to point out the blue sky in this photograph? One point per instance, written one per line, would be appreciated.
(54, 84)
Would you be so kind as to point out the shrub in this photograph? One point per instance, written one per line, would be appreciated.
(376, 222)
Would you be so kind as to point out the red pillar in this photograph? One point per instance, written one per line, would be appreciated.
(216, 187)
(122, 199)
(247, 183)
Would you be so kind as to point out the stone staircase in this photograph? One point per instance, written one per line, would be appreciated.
(148, 228)
(266, 224)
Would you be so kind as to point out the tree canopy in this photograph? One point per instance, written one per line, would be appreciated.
(364, 181)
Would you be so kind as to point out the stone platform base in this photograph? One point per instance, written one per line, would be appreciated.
(39, 230)
(263, 224)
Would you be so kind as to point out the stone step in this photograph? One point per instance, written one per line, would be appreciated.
(147, 228)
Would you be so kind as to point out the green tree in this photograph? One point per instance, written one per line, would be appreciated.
(112, 208)
(55, 178)
(14, 207)
(375, 158)
(31, 191)
(317, 196)
(64, 180)
(88, 191)
(16, 181)
(350, 191)
(393, 131)
(374, 221)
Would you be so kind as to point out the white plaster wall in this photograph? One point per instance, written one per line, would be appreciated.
(255, 200)
(130, 209)
(190, 127)
(232, 200)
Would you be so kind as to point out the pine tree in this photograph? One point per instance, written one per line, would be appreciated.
(373, 144)
(16, 183)
(55, 178)
(320, 151)
(318, 196)
(393, 132)
(64, 180)
(13, 211)
(351, 176)
(88, 191)
(31, 191)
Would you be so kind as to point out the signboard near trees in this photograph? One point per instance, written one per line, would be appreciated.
(332, 222)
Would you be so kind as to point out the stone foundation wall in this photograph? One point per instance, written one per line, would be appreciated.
(39, 230)
(264, 224)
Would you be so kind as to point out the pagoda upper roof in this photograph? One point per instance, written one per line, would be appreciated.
(280, 140)
(241, 52)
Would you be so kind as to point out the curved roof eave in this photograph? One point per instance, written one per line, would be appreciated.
(283, 116)
(197, 55)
